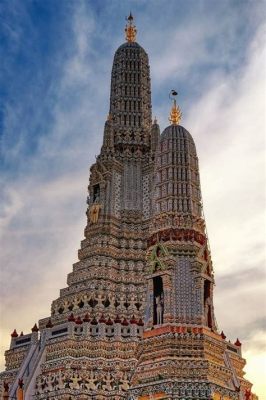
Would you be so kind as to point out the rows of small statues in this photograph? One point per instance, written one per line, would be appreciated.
(90, 381)
(99, 300)
(182, 390)
(182, 221)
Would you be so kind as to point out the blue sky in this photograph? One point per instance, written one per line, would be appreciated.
(56, 58)
(39, 39)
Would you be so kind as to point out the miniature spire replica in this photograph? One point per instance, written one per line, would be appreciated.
(136, 320)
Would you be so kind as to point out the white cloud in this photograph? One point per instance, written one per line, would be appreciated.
(11, 204)
(43, 214)
(229, 123)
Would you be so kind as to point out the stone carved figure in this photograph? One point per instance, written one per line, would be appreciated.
(159, 309)
(94, 211)
(108, 380)
(65, 305)
(90, 385)
(60, 381)
(39, 386)
(74, 384)
(75, 303)
(49, 383)
(124, 383)
(96, 199)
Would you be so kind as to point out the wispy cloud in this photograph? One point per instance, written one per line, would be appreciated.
(228, 122)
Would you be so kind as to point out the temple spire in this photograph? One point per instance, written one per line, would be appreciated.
(130, 29)
(175, 114)
(130, 97)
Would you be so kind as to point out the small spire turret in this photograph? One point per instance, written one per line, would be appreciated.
(130, 29)
(155, 135)
(35, 328)
(14, 334)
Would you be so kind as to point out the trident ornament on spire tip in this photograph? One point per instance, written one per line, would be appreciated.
(175, 114)
(130, 29)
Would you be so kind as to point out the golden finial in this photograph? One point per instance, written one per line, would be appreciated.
(175, 114)
(155, 121)
(130, 29)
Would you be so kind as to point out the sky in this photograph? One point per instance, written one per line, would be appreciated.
(56, 59)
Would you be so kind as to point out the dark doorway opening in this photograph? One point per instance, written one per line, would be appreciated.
(158, 300)
(207, 290)
(207, 306)
(96, 193)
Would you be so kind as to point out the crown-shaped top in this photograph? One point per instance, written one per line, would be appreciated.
(175, 114)
(130, 29)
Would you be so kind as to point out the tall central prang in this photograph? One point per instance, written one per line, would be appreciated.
(136, 320)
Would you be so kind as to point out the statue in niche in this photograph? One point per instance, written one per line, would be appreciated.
(96, 197)
(94, 212)
(159, 309)
(208, 313)
(95, 207)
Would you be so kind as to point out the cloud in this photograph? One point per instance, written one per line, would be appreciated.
(247, 277)
(229, 130)
(43, 206)
(11, 204)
